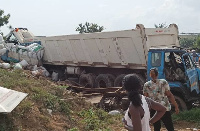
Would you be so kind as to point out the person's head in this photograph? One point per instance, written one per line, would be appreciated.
(154, 73)
(131, 83)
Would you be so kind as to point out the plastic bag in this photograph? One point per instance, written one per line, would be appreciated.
(35, 73)
(1, 46)
(17, 66)
(35, 68)
(5, 65)
(54, 76)
(24, 63)
(3, 51)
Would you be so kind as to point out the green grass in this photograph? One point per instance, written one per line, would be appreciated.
(97, 119)
(192, 115)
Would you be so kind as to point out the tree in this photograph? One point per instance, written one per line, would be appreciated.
(197, 42)
(3, 19)
(187, 42)
(162, 25)
(89, 28)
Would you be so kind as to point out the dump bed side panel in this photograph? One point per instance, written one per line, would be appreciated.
(119, 49)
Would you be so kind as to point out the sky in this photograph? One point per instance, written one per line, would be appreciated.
(61, 17)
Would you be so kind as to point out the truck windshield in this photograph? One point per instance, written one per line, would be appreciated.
(156, 59)
(12, 39)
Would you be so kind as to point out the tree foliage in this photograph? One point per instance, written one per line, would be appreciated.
(198, 41)
(3, 18)
(162, 25)
(187, 42)
(89, 28)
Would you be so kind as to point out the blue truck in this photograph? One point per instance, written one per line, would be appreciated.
(177, 67)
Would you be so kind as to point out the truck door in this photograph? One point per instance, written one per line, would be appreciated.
(156, 60)
(191, 73)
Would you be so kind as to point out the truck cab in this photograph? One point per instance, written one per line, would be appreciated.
(21, 36)
(177, 67)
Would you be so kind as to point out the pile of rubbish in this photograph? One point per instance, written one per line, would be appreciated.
(22, 57)
(25, 57)
(35, 70)
(14, 53)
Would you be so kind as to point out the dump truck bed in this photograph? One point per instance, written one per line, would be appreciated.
(119, 49)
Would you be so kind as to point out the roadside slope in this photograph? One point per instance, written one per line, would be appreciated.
(50, 107)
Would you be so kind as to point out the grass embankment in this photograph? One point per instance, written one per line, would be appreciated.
(69, 112)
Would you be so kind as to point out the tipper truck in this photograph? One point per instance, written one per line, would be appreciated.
(103, 59)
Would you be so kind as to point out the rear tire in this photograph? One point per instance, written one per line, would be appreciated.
(104, 81)
(118, 80)
(87, 80)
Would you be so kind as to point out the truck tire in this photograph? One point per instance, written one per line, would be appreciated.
(181, 104)
(87, 80)
(118, 80)
(104, 81)
(112, 78)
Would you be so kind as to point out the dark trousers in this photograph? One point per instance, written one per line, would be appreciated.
(166, 119)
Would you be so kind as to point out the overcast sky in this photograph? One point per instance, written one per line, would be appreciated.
(61, 17)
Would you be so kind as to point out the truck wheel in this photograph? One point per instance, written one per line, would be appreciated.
(112, 78)
(87, 80)
(181, 104)
(103, 81)
(118, 80)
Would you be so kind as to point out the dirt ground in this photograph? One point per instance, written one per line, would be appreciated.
(181, 126)
(186, 126)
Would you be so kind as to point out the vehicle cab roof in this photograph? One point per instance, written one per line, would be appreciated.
(166, 49)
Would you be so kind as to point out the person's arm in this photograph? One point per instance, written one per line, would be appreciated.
(135, 117)
(172, 100)
(170, 96)
(160, 110)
